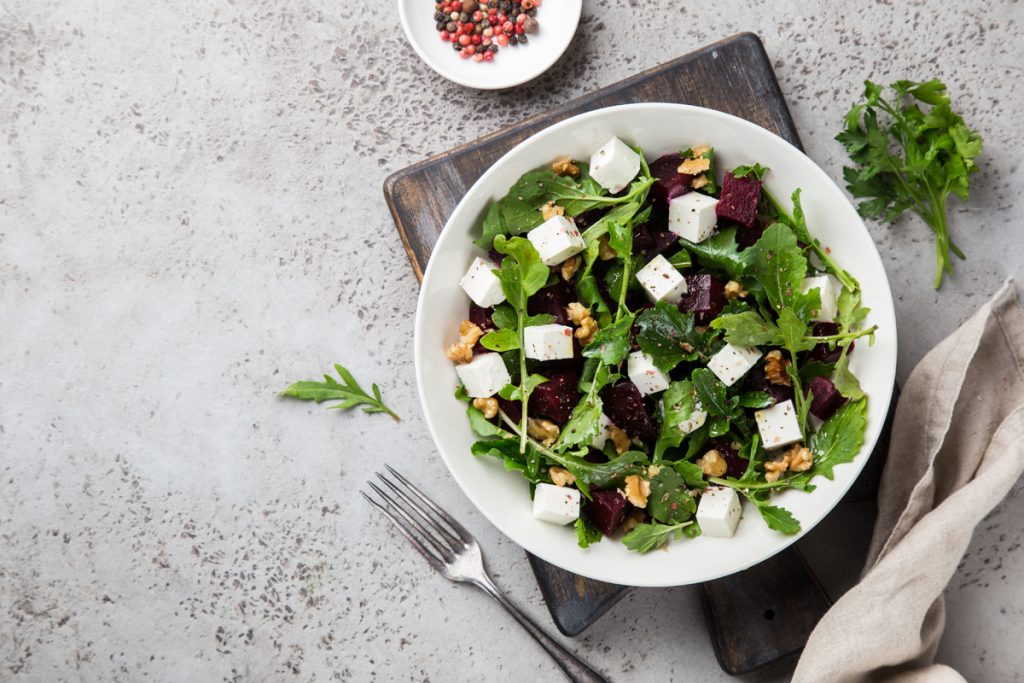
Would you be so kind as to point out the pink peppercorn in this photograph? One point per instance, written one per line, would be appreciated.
(464, 39)
(445, 36)
(502, 40)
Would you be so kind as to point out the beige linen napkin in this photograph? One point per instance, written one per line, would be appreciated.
(957, 448)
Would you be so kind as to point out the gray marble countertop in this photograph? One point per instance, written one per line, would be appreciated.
(191, 218)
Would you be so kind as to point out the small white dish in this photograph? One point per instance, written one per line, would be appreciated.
(503, 496)
(512, 65)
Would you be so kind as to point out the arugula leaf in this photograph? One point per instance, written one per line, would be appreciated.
(647, 537)
(348, 392)
(711, 188)
(778, 263)
(514, 392)
(680, 261)
(504, 316)
(501, 340)
(583, 425)
(611, 344)
(480, 425)
(710, 393)
(849, 311)
(602, 475)
(586, 533)
(803, 234)
(507, 450)
(494, 224)
(748, 328)
(668, 335)
(756, 171)
(777, 518)
(614, 277)
(839, 439)
(678, 403)
(690, 472)
(720, 252)
(670, 500)
(793, 332)
(914, 160)
(756, 399)
(845, 381)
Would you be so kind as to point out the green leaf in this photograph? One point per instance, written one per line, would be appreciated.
(514, 392)
(690, 472)
(756, 171)
(711, 393)
(779, 265)
(720, 252)
(507, 450)
(501, 340)
(586, 533)
(747, 329)
(584, 424)
(680, 261)
(348, 392)
(670, 500)
(493, 225)
(850, 312)
(647, 537)
(778, 518)
(756, 399)
(523, 274)
(803, 234)
(839, 439)
(712, 187)
(793, 332)
(611, 344)
(845, 381)
(678, 403)
(668, 335)
(602, 475)
(481, 426)
(504, 317)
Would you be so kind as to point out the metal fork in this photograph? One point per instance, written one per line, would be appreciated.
(455, 554)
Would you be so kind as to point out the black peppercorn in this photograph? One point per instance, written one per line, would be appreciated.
(522, 39)
(513, 40)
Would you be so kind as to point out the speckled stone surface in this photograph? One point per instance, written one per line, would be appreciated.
(191, 217)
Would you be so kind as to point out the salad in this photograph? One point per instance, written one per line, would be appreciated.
(652, 344)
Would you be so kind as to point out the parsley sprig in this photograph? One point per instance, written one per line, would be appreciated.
(348, 392)
(910, 158)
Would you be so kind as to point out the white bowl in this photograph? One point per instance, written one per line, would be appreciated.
(512, 65)
(502, 496)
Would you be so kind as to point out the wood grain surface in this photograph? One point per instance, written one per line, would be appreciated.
(734, 76)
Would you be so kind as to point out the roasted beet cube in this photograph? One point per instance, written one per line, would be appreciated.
(747, 237)
(822, 352)
(705, 296)
(588, 218)
(495, 256)
(652, 242)
(756, 381)
(669, 182)
(737, 465)
(606, 509)
(514, 409)
(555, 398)
(481, 317)
(826, 398)
(553, 300)
(738, 200)
(624, 405)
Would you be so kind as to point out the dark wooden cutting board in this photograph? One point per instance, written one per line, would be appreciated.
(734, 76)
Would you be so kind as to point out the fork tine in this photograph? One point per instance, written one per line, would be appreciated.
(455, 543)
(416, 543)
(444, 551)
(458, 528)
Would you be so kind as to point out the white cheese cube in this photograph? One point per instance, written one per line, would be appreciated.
(614, 165)
(548, 342)
(778, 425)
(604, 432)
(692, 216)
(718, 512)
(662, 281)
(829, 289)
(484, 376)
(556, 239)
(556, 504)
(695, 421)
(732, 362)
(481, 284)
(645, 374)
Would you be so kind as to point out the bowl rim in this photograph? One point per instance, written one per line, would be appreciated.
(457, 216)
(483, 84)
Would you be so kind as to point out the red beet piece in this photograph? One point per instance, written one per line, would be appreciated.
(822, 352)
(514, 409)
(738, 200)
(668, 181)
(624, 405)
(495, 256)
(588, 218)
(653, 242)
(737, 465)
(553, 300)
(606, 510)
(555, 398)
(705, 296)
(826, 398)
(481, 317)
(756, 381)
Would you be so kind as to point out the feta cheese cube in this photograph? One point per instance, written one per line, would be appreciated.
(718, 512)
(778, 425)
(604, 432)
(556, 239)
(732, 362)
(829, 289)
(692, 216)
(645, 374)
(556, 504)
(614, 165)
(662, 281)
(696, 420)
(481, 284)
(484, 376)
(548, 342)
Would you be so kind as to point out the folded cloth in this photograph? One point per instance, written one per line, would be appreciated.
(957, 449)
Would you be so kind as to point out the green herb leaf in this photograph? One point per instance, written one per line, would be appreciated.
(668, 335)
(690, 472)
(793, 332)
(747, 329)
(845, 381)
(778, 263)
(720, 252)
(777, 518)
(756, 171)
(481, 425)
(670, 500)
(586, 533)
(584, 424)
(711, 393)
(839, 439)
(756, 399)
(507, 450)
(647, 537)
(611, 344)
(348, 392)
(678, 403)
(504, 317)
(500, 340)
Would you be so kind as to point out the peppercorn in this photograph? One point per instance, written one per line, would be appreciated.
(470, 6)
(530, 25)
(513, 39)
(522, 39)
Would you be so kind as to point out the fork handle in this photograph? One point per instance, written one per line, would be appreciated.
(574, 668)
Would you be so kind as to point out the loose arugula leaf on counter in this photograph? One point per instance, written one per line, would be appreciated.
(647, 537)
(668, 335)
(586, 533)
(348, 392)
(912, 159)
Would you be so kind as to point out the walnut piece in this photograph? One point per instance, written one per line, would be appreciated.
(694, 166)
(561, 476)
(544, 431)
(586, 325)
(799, 458)
(570, 266)
(636, 490)
(604, 250)
(564, 166)
(713, 464)
(469, 335)
(773, 469)
(619, 438)
(700, 150)
(632, 519)
(775, 369)
(734, 290)
(550, 210)
(699, 181)
(487, 406)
